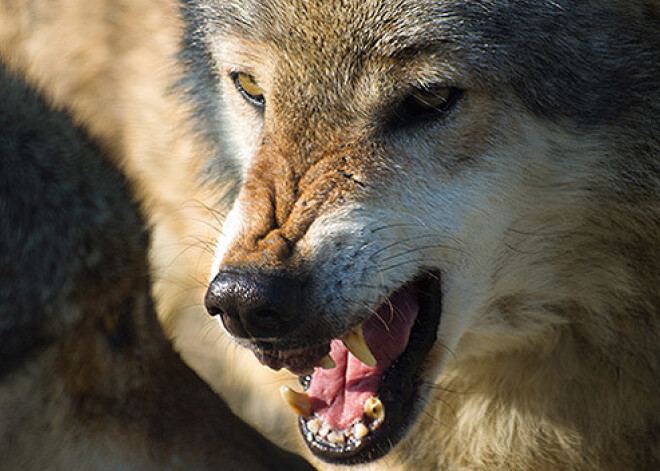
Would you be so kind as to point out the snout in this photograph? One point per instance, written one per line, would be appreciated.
(254, 304)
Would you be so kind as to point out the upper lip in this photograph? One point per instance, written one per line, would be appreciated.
(399, 378)
(302, 360)
(298, 361)
(399, 388)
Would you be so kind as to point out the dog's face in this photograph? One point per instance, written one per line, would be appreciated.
(411, 173)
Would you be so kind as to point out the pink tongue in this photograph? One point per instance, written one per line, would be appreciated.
(338, 395)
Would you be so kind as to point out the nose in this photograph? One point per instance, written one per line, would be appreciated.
(255, 305)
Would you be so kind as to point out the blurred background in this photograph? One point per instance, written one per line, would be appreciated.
(111, 64)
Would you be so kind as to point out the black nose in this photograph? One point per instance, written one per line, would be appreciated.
(255, 304)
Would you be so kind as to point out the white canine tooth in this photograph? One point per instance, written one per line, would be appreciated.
(336, 437)
(314, 425)
(355, 343)
(327, 363)
(324, 430)
(305, 372)
(360, 430)
(308, 372)
(300, 403)
(374, 409)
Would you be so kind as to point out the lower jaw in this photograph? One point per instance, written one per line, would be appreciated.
(399, 392)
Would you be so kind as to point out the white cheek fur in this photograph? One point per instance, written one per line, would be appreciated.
(230, 229)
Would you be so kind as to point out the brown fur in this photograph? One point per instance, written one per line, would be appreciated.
(535, 200)
(87, 377)
(112, 64)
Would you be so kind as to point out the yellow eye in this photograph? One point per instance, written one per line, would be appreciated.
(248, 87)
(435, 98)
(425, 105)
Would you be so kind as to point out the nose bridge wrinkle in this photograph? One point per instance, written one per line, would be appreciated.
(285, 187)
(283, 195)
(320, 185)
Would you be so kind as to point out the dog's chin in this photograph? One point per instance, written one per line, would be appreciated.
(354, 412)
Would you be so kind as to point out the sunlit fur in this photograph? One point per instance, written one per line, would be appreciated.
(122, 91)
(88, 380)
(536, 198)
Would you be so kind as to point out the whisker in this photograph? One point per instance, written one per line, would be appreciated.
(435, 419)
(389, 226)
(522, 252)
(416, 249)
(403, 263)
(218, 215)
(399, 242)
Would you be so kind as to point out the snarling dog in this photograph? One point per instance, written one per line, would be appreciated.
(88, 380)
(447, 222)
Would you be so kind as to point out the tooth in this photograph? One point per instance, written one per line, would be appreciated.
(327, 363)
(304, 372)
(360, 430)
(355, 343)
(300, 403)
(314, 425)
(324, 430)
(374, 409)
(336, 437)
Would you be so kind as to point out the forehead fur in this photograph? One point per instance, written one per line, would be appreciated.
(562, 57)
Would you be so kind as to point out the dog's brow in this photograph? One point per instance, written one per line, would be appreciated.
(409, 49)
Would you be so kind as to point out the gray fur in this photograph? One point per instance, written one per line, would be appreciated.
(200, 84)
(587, 62)
(536, 197)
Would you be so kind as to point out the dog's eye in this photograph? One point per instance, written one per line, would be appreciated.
(248, 87)
(424, 105)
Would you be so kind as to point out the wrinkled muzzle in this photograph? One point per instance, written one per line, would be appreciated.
(359, 368)
(257, 289)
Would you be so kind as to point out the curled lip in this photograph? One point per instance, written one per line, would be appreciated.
(399, 390)
(400, 383)
(299, 361)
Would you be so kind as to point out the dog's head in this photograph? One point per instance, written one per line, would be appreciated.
(418, 179)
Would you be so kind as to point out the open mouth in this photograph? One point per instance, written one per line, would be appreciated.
(362, 397)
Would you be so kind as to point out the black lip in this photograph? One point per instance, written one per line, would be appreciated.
(296, 361)
(399, 390)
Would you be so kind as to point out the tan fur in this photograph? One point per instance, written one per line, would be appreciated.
(87, 377)
(536, 200)
(112, 64)
(548, 361)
